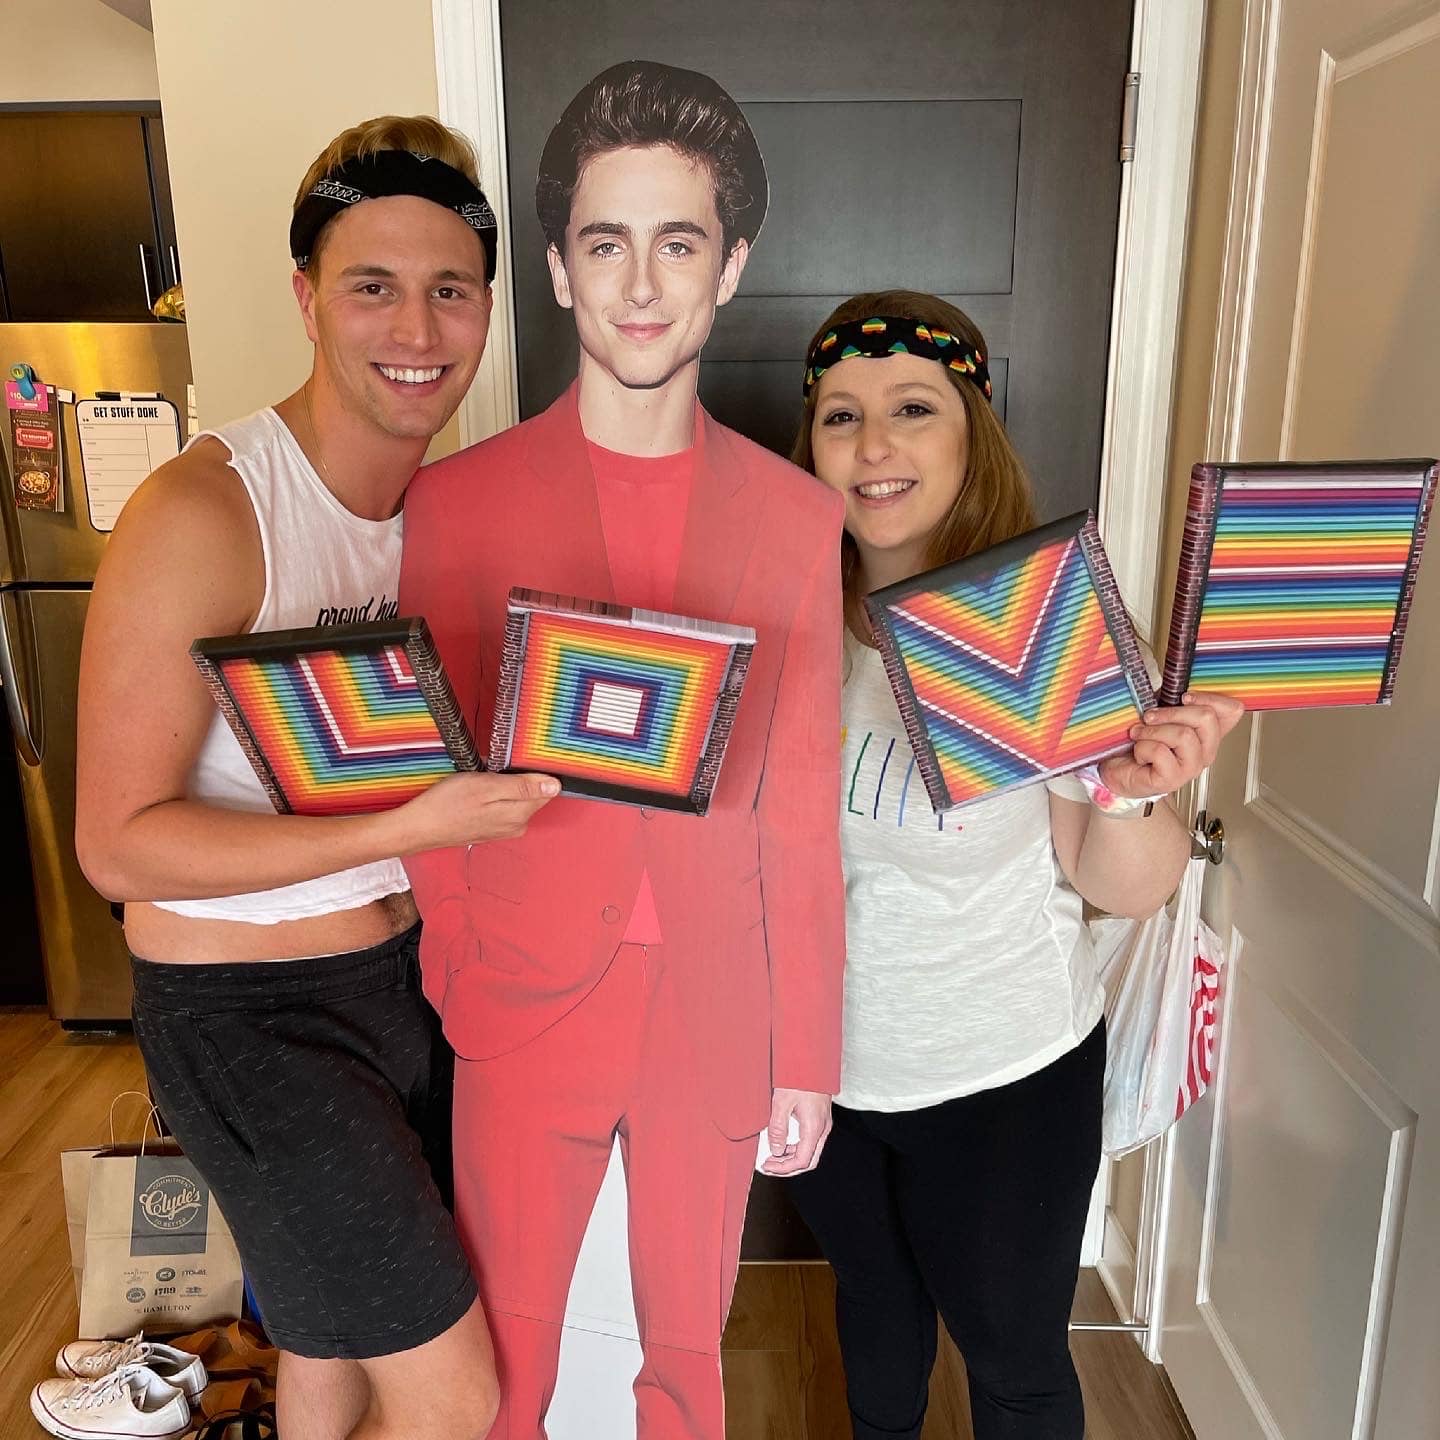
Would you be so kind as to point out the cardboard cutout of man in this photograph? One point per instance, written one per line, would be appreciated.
(671, 980)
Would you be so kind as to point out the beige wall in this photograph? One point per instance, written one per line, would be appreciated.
(251, 94)
(72, 50)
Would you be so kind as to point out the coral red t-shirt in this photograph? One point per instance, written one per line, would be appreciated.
(643, 504)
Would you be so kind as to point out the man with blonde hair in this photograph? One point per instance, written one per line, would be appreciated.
(311, 1089)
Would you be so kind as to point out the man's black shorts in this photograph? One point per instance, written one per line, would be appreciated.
(314, 1096)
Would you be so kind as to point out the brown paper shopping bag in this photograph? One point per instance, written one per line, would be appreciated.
(75, 1180)
(158, 1254)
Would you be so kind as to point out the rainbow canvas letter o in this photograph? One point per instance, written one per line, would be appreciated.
(618, 703)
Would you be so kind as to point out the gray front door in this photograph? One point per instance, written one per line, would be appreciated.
(965, 149)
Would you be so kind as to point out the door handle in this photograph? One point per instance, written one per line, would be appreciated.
(18, 680)
(145, 278)
(174, 267)
(1208, 840)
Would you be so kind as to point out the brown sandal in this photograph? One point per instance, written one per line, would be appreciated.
(223, 1396)
(239, 1348)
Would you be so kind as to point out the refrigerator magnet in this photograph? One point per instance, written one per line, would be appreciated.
(35, 442)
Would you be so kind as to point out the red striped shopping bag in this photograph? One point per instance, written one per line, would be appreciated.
(1162, 993)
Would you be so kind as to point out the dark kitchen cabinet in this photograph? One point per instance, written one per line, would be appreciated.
(86, 229)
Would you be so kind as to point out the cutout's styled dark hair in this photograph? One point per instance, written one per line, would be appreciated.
(640, 103)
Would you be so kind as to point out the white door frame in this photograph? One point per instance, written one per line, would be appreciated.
(1150, 252)
(1166, 51)
(471, 88)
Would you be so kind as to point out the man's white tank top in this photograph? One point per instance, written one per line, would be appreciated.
(323, 566)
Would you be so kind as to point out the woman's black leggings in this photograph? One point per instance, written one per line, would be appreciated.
(976, 1208)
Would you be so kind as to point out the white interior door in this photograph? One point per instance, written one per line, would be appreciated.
(1304, 1257)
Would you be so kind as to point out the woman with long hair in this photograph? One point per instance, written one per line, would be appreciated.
(966, 1132)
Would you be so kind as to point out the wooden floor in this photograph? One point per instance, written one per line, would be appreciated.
(784, 1380)
(55, 1092)
(783, 1377)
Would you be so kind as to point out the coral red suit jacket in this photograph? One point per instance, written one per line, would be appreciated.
(750, 899)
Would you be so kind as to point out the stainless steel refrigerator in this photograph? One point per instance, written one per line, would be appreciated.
(47, 564)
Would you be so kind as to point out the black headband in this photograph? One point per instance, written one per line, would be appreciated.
(883, 335)
(392, 172)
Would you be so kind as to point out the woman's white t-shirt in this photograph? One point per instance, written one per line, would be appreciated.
(969, 964)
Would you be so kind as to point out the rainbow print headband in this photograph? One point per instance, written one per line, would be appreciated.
(883, 335)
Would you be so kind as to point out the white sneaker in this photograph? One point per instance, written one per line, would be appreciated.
(130, 1401)
(90, 1359)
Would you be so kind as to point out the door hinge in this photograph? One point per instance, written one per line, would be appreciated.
(1129, 114)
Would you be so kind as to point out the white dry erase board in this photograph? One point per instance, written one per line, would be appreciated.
(121, 442)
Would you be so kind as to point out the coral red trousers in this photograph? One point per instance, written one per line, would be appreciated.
(533, 1135)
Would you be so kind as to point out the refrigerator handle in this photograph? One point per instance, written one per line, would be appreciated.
(145, 278)
(18, 680)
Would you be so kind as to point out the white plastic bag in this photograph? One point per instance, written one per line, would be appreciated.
(1162, 980)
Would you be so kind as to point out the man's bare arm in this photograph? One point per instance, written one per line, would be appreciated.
(186, 561)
